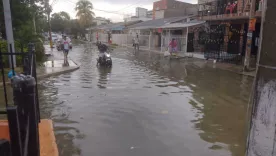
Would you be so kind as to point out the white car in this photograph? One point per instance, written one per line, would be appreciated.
(54, 37)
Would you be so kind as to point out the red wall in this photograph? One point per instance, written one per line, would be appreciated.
(162, 5)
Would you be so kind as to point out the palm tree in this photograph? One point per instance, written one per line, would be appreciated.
(84, 12)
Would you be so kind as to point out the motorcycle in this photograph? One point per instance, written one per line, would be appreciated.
(59, 46)
(104, 59)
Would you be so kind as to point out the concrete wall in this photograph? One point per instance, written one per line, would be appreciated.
(174, 13)
(192, 10)
(159, 14)
(261, 137)
(126, 39)
(173, 8)
(177, 12)
(173, 4)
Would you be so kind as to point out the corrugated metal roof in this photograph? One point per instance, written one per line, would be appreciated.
(182, 25)
(156, 23)
(115, 26)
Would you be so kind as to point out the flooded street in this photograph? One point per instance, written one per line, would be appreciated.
(146, 105)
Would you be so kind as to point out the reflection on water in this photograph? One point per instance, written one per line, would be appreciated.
(146, 105)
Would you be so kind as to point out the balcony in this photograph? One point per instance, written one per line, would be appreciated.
(225, 10)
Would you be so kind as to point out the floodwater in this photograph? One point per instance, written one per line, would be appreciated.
(146, 105)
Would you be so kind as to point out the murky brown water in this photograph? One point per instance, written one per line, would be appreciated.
(146, 106)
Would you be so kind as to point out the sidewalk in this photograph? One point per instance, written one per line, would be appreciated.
(54, 66)
(199, 59)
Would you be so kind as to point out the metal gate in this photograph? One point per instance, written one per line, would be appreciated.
(23, 112)
(181, 43)
(225, 43)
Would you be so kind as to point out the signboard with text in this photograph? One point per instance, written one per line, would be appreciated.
(252, 24)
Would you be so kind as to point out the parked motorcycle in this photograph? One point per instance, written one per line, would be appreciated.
(59, 46)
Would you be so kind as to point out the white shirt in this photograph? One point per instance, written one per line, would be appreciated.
(136, 40)
(65, 44)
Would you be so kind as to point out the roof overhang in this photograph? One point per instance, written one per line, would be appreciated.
(171, 26)
(181, 25)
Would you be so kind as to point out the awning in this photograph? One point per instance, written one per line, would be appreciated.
(181, 25)
(172, 25)
(118, 28)
(153, 24)
(144, 27)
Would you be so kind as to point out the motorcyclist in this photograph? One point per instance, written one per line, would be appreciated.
(102, 47)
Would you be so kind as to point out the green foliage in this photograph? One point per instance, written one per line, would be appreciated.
(24, 13)
(60, 22)
(39, 50)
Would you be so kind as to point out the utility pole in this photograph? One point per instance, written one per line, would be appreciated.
(261, 138)
(48, 11)
(249, 36)
(9, 32)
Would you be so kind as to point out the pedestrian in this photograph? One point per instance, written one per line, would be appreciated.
(66, 47)
(173, 46)
(136, 41)
(109, 38)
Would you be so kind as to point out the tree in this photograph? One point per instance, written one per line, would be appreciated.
(84, 13)
(75, 28)
(24, 13)
(22, 20)
(60, 22)
(64, 15)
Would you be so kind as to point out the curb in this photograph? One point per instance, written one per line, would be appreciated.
(39, 77)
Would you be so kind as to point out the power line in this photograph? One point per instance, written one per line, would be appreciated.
(112, 12)
(130, 5)
(141, 5)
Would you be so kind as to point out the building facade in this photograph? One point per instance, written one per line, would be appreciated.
(173, 8)
(225, 35)
(101, 21)
(141, 12)
(149, 14)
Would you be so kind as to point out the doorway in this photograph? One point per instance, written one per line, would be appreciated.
(190, 45)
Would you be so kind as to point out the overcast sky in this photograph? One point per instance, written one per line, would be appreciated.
(118, 8)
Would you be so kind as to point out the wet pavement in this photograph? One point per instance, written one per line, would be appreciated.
(146, 105)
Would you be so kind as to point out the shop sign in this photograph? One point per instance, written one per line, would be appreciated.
(252, 24)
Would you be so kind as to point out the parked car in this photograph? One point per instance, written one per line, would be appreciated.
(54, 37)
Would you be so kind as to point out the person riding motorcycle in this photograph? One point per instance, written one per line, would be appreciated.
(102, 49)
